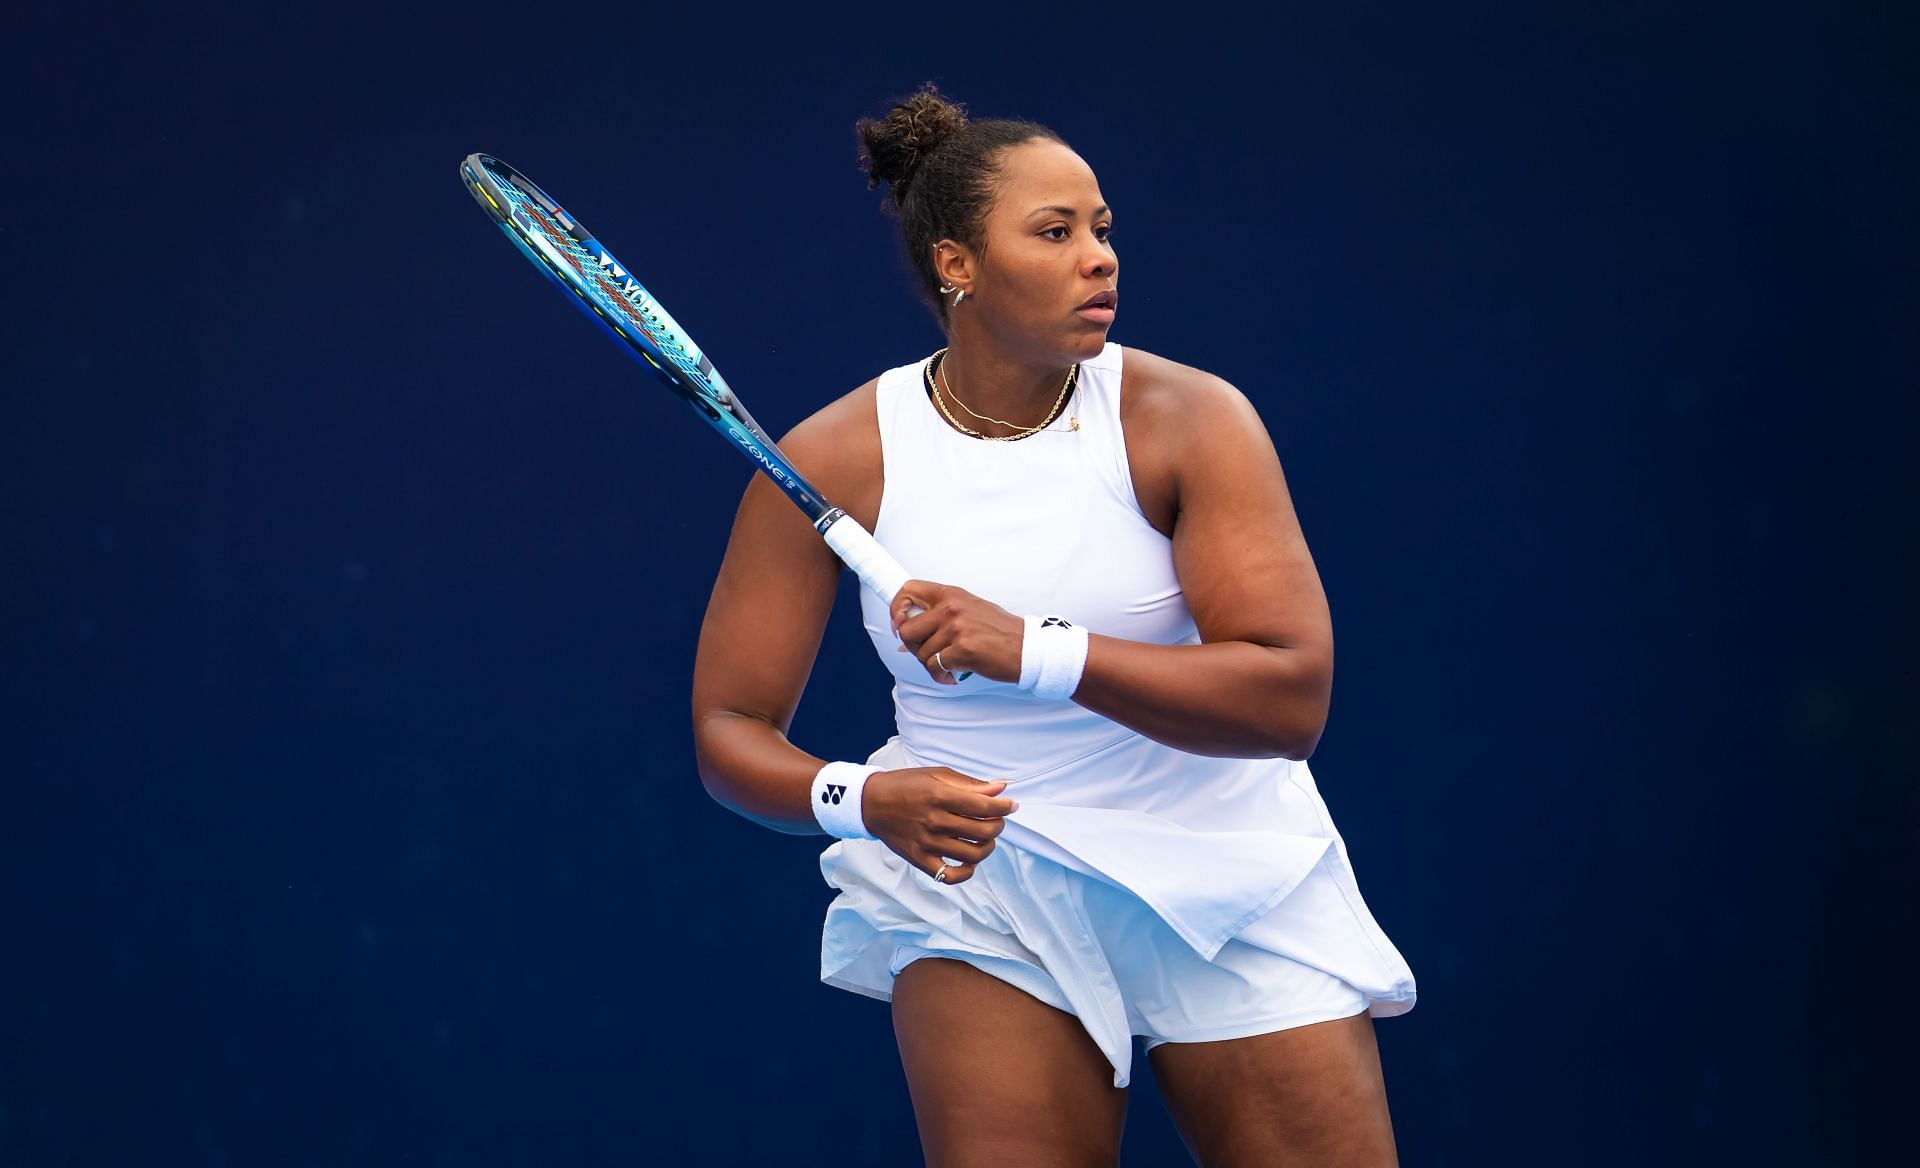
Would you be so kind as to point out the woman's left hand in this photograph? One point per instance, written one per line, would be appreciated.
(968, 634)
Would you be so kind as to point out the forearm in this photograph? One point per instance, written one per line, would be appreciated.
(1231, 699)
(748, 766)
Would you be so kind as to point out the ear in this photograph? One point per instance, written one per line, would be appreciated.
(954, 263)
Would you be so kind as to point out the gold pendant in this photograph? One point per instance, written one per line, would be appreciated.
(1074, 421)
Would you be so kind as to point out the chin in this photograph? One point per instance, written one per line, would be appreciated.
(1088, 345)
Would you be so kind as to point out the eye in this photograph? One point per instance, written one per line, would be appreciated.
(1103, 232)
(1056, 232)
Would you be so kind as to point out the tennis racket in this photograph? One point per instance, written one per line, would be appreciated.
(606, 290)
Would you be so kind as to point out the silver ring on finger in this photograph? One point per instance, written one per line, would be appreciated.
(940, 873)
(939, 664)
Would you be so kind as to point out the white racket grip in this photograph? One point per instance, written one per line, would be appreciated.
(863, 553)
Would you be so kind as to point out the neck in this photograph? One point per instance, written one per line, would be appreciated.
(992, 382)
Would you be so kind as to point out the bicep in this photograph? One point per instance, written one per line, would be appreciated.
(1238, 549)
(767, 613)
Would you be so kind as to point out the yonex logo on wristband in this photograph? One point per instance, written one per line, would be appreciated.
(837, 790)
(1056, 622)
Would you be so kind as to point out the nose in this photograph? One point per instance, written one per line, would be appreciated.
(1099, 260)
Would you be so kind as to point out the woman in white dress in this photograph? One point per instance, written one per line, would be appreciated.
(1096, 820)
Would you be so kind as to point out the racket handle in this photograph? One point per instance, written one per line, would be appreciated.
(863, 553)
(857, 548)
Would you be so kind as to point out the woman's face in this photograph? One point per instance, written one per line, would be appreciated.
(1045, 282)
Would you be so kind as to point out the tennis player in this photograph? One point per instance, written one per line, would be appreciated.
(1096, 820)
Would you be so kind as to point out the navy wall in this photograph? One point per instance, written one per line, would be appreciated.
(349, 583)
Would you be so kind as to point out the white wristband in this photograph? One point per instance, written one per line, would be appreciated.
(1053, 654)
(836, 799)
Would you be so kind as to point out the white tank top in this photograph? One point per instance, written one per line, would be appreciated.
(1047, 524)
(1050, 524)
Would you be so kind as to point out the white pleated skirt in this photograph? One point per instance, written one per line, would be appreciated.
(1074, 942)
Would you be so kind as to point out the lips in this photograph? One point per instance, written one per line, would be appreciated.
(1099, 308)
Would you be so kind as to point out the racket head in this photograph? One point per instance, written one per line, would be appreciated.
(607, 291)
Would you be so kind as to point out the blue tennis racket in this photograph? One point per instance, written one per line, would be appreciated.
(606, 290)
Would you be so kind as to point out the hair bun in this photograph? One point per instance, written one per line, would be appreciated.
(893, 148)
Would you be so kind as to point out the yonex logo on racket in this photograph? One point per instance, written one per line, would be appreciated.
(833, 793)
(632, 291)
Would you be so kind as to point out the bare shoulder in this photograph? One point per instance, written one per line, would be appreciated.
(837, 428)
(1173, 401)
(1176, 417)
(837, 448)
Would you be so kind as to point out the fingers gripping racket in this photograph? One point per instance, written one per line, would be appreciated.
(607, 292)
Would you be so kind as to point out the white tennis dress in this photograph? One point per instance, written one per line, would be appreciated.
(1143, 889)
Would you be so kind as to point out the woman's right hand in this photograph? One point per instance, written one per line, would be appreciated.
(928, 815)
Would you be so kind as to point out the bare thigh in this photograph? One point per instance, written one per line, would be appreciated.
(1309, 1097)
(1000, 1078)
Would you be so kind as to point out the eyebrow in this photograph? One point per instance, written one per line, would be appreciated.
(1069, 212)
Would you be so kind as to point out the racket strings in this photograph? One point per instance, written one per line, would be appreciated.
(587, 266)
(638, 310)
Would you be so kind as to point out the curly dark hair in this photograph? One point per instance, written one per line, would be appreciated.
(942, 171)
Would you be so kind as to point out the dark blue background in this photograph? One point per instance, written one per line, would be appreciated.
(349, 584)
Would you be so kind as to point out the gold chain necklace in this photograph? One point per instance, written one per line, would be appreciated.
(935, 387)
